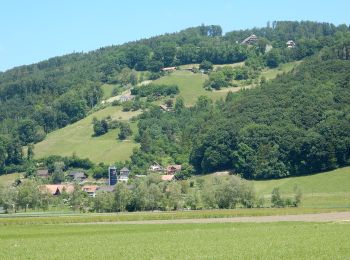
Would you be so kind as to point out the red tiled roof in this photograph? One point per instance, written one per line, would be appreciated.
(168, 177)
(54, 188)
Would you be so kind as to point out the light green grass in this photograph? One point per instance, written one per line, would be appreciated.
(107, 90)
(8, 179)
(177, 241)
(324, 189)
(190, 85)
(284, 68)
(77, 138)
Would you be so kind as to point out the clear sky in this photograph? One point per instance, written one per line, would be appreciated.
(34, 30)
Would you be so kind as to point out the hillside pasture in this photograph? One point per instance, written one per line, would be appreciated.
(328, 189)
(77, 138)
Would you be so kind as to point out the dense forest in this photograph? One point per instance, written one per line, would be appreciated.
(247, 133)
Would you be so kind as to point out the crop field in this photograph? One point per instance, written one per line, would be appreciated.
(281, 240)
(77, 138)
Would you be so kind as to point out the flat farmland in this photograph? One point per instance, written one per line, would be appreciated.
(280, 240)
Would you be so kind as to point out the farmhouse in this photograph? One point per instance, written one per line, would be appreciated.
(106, 189)
(58, 189)
(43, 173)
(290, 44)
(250, 40)
(169, 69)
(90, 190)
(156, 167)
(165, 108)
(124, 174)
(77, 176)
(125, 98)
(172, 169)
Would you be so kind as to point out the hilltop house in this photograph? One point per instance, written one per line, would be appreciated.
(290, 44)
(124, 174)
(250, 40)
(77, 176)
(169, 69)
(156, 167)
(58, 189)
(172, 169)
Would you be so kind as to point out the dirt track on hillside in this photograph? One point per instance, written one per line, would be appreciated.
(319, 217)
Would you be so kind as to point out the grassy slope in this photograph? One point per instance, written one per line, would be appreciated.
(107, 90)
(329, 189)
(8, 179)
(177, 241)
(284, 68)
(77, 138)
(190, 85)
(323, 190)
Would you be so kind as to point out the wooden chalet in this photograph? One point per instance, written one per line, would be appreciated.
(250, 40)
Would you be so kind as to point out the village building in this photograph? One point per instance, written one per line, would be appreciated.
(124, 174)
(106, 189)
(172, 169)
(250, 40)
(43, 173)
(125, 98)
(77, 176)
(112, 176)
(156, 167)
(165, 108)
(290, 44)
(168, 177)
(169, 69)
(90, 190)
(58, 189)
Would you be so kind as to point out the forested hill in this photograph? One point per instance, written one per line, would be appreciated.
(61, 90)
(297, 124)
(39, 98)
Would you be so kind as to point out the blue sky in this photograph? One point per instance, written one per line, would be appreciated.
(35, 30)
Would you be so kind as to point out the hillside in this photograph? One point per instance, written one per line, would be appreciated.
(321, 190)
(328, 189)
(40, 98)
(77, 138)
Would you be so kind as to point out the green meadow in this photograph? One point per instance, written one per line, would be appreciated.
(283, 240)
(77, 138)
(328, 189)
(190, 85)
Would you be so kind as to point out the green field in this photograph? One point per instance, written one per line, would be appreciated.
(323, 190)
(77, 138)
(177, 241)
(107, 90)
(8, 179)
(284, 68)
(328, 189)
(190, 85)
